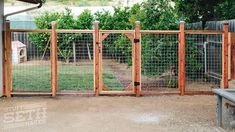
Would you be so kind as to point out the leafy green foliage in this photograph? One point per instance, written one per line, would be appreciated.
(158, 53)
(84, 20)
(205, 10)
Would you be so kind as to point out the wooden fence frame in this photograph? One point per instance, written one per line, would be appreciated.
(135, 37)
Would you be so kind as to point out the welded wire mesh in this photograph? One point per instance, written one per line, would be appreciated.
(30, 61)
(159, 62)
(203, 61)
(117, 63)
(75, 61)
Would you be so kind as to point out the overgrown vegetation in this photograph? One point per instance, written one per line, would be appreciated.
(158, 53)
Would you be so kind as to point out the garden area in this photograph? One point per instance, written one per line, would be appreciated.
(159, 52)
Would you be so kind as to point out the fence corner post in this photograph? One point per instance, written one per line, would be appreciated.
(96, 58)
(224, 81)
(7, 61)
(137, 82)
(181, 57)
(54, 58)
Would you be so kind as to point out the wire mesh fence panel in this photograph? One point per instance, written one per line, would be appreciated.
(30, 61)
(203, 61)
(75, 61)
(116, 63)
(159, 62)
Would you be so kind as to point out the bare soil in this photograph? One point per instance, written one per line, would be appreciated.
(118, 114)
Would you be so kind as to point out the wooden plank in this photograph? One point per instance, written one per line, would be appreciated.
(133, 63)
(75, 92)
(100, 62)
(161, 92)
(117, 31)
(229, 56)
(74, 31)
(224, 81)
(54, 65)
(31, 30)
(138, 59)
(8, 60)
(159, 31)
(30, 93)
(232, 54)
(117, 93)
(96, 57)
(104, 36)
(181, 61)
(204, 31)
(4, 62)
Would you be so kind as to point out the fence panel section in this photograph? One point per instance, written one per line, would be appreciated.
(75, 61)
(159, 62)
(203, 61)
(30, 68)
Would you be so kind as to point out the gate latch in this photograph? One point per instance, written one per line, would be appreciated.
(136, 40)
(136, 83)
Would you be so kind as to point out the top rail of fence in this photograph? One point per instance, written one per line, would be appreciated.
(159, 31)
(49, 30)
(204, 31)
(74, 31)
(31, 30)
(117, 31)
(121, 31)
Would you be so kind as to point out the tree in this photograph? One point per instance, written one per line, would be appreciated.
(225, 10)
(205, 10)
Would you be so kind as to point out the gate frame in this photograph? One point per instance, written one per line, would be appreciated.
(103, 34)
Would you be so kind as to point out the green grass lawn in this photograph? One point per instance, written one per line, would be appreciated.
(70, 77)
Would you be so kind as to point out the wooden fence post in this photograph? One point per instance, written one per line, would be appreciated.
(224, 81)
(54, 65)
(232, 54)
(7, 61)
(96, 58)
(181, 59)
(137, 41)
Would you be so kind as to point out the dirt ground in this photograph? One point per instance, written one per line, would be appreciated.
(110, 114)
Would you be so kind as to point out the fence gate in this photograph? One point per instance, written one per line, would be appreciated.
(116, 57)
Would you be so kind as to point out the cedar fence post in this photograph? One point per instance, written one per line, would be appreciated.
(232, 54)
(7, 66)
(137, 41)
(224, 81)
(54, 65)
(96, 58)
(181, 61)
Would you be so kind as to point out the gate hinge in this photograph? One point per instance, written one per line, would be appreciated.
(99, 49)
(136, 83)
(136, 40)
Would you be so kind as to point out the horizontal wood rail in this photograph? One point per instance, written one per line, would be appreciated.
(31, 93)
(159, 31)
(204, 31)
(73, 31)
(31, 30)
(75, 93)
(161, 92)
(117, 31)
(117, 93)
